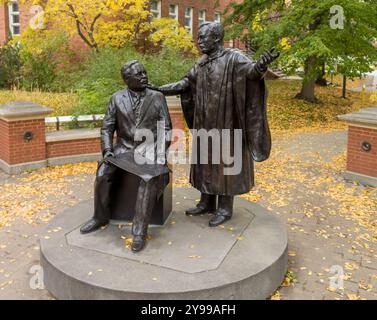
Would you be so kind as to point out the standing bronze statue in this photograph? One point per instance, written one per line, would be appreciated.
(130, 111)
(225, 90)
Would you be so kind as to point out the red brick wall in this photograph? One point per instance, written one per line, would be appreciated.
(236, 43)
(177, 120)
(197, 5)
(87, 146)
(358, 160)
(73, 147)
(4, 141)
(14, 149)
(3, 24)
(4, 21)
(25, 17)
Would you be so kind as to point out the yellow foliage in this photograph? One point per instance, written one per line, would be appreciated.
(37, 194)
(285, 112)
(36, 42)
(62, 103)
(284, 43)
(255, 25)
(113, 22)
(373, 97)
(124, 21)
(169, 33)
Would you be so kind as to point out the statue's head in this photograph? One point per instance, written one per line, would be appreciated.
(210, 37)
(135, 75)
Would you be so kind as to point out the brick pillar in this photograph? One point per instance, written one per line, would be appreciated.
(362, 146)
(176, 115)
(3, 23)
(22, 136)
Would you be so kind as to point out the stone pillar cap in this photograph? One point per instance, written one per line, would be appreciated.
(174, 103)
(366, 116)
(19, 110)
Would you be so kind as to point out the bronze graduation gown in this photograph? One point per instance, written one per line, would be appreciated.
(227, 92)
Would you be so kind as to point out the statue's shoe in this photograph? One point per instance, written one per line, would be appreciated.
(218, 220)
(138, 243)
(197, 211)
(92, 225)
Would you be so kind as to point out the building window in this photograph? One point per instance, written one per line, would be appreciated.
(218, 17)
(156, 8)
(188, 19)
(202, 16)
(173, 11)
(14, 18)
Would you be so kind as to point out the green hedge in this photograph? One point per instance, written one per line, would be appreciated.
(10, 66)
(102, 77)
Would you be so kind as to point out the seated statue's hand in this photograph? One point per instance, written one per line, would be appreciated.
(108, 154)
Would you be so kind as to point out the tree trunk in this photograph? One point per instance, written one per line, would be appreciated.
(307, 92)
(344, 91)
(321, 81)
(308, 85)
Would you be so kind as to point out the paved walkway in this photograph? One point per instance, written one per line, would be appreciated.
(331, 223)
(370, 83)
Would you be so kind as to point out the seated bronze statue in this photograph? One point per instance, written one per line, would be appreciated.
(130, 111)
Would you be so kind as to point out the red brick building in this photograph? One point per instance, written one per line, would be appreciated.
(14, 18)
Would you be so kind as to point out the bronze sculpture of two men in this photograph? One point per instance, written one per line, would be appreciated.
(224, 90)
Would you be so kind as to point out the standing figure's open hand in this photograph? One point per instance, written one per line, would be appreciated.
(267, 58)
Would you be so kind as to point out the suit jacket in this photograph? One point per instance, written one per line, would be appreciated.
(120, 118)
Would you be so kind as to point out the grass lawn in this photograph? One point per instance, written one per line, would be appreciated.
(285, 112)
(62, 103)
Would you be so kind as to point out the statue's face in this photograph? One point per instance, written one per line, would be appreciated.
(137, 78)
(207, 40)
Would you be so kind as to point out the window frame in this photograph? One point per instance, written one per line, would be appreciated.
(156, 14)
(176, 11)
(204, 19)
(11, 14)
(217, 17)
(191, 27)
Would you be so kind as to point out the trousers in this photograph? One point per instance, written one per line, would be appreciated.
(145, 202)
(225, 204)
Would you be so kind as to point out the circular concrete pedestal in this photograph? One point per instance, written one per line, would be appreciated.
(185, 259)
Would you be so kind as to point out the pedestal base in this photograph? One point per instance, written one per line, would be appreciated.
(185, 259)
(361, 178)
(125, 195)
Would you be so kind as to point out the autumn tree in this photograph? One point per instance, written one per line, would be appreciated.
(337, 33)
(112, 22)
(169, 33)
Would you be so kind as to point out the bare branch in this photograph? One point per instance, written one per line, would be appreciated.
(91, 41)
(94, 22)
